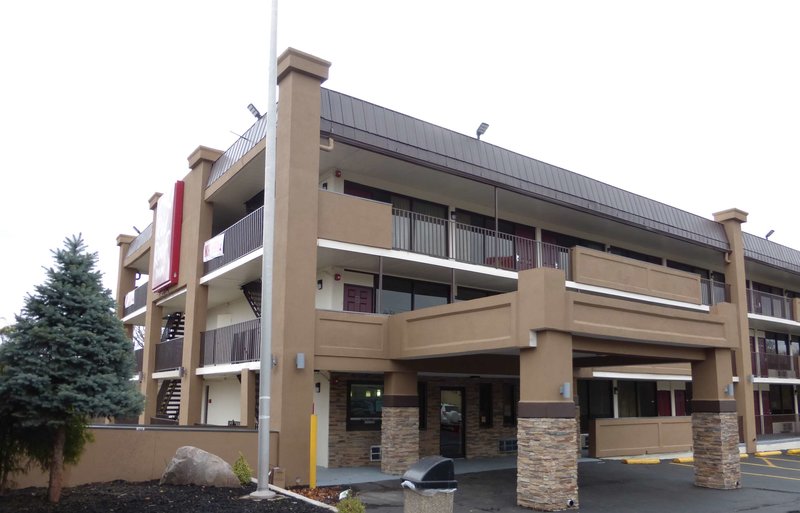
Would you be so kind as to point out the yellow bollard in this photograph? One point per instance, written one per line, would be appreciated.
(312, 454)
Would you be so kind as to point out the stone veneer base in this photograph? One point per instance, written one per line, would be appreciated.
(399, 439)
(715, 437)
(547, 464)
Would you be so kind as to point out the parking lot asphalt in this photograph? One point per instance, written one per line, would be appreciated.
(769, 485)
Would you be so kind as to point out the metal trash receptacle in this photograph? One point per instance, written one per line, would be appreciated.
(429, 486)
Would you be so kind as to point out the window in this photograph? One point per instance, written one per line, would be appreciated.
(596, 401)
(627, 253)
(422, 398)
(637, 398)
(466, 293)
(510, 400)
(485, 412)
(781, 399)
(364, 406)
(403, 295)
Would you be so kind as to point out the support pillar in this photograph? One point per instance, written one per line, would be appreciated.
(197, 220)
(732, 220)
(247, 399)
(294, 286)
(399, 423)
(152, 336)
(715, 431)
(126, 279)
(547, 440)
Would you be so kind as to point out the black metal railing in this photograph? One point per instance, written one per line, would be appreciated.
(714, 292)
(429, 235)
(139, 300)
(770, 365)
(419, 233)
(241, 238)
(236, 343)
(140, 240)
(771, 305)
(169, 355)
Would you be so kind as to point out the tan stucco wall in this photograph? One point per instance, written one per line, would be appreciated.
(355, 220)
(615, 272)
(135, 455)
(640, 435)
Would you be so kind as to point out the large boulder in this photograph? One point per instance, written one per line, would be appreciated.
(193, 466)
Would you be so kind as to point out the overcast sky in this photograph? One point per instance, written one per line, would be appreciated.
(694, 104)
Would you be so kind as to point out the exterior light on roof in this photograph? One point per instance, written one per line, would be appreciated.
(768, 234)
(254, 111)
(482, 129)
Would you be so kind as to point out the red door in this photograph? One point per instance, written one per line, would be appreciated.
(680, 403)
(358, 299)
(664, 403)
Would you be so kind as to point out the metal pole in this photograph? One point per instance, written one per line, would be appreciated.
(266, 262)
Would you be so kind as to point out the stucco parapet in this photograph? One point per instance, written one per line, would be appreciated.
(295, 60)
(731, 214)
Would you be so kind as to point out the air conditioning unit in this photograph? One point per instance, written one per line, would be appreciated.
(374, 453)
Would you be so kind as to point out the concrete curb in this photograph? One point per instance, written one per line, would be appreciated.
(763, 454)
(793, 452)
(687, 459)
(641, 461)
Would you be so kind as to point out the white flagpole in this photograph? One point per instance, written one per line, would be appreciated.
(266, 262)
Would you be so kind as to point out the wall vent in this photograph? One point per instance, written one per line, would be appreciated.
(374, 453)
(508, 445)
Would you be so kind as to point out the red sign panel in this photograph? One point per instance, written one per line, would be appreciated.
(167, 242)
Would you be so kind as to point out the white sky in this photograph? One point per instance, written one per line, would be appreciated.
(102, 101)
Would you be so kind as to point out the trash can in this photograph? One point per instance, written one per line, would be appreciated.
(429, 486)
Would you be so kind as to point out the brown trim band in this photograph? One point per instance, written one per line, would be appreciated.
(713, 406)
(554, 410)
(400, 401)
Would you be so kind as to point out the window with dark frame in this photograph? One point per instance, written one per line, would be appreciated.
(485, 413)
(422, 397)
(364, 405)
(510, 400)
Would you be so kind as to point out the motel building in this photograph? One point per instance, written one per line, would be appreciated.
(437, 295)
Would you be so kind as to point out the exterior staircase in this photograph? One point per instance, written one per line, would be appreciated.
(252, 291)
(174, 327)
(169, 402)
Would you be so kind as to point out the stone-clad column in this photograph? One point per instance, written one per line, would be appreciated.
(735, 276)
(715, 432)
(399, 423)
(547, 436)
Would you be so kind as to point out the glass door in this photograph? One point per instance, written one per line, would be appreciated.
(451, 431)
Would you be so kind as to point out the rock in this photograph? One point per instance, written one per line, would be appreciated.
(193, 466)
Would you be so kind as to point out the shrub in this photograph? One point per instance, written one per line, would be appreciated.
(242, 470)
(351, 504)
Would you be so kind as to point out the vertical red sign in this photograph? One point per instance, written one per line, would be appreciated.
(167, 242)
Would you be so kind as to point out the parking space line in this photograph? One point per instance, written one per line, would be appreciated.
(771, 465)
(795, 460)
(768, 475)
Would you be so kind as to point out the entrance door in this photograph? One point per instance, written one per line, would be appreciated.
(358, 299)
(451, 430)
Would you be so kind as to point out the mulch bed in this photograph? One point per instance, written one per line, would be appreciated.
(150, 497)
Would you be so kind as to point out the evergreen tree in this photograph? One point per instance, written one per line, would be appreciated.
(67, 360)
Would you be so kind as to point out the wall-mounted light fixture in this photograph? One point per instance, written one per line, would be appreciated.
(300, 360)
(728, 389)
(274, 361)
(750, 378)
(319, 284)
(181, 372)
(566, 390)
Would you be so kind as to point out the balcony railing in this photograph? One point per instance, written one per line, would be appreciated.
(140, 240)
(778, 424)
(771, 305)
(232, 344)
(429, 235)
(239, 239)
(138, 300)
(714, 292)
(769, 365)
(419, 233)
(169, 355)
